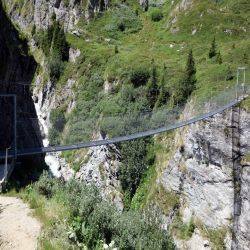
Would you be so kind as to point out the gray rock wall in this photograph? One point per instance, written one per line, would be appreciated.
(201, 172)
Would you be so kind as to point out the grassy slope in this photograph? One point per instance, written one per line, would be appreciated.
(154, 39)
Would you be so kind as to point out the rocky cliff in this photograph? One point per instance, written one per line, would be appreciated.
(16, 66)
(41, 12)
(201, 173)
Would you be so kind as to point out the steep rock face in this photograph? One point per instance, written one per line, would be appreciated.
(101, 169)
(41, 12)
(16, 66)
(201, 172)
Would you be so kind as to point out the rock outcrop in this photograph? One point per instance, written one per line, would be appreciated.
(201, 173)
(41, 12)
(16, 66)
(101, 169)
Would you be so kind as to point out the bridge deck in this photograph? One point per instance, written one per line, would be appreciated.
(150, 132)
(43, 150)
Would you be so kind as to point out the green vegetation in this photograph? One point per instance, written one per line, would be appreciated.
(142, 197)
(75, 216)
(141, 63)
(156, 15)
(215, 236)
(133, 61)
(57, 120)
(212, 52)
(245, 159)
(136, 158)
(188, 84)
(181, 230)
(55, 47)
(246, 104)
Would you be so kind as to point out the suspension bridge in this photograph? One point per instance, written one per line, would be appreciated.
(121, 127)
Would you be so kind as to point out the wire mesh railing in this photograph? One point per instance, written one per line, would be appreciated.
(76, 133)
(66, 134)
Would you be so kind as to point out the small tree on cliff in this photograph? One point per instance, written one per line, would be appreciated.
(212, 52)
(152, 88)
(188, 83)
(163, 93)
(190, 77)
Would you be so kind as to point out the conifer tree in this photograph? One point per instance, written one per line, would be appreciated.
(152, 88)
(188, 84)
(163, 93)
(219, 58)
(59, 43)
(212, 52)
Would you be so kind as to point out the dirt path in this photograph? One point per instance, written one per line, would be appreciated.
(18, 229)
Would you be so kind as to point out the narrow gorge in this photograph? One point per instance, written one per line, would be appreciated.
(72, 62)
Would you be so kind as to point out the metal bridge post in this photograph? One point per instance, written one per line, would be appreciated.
(15, 123)
(6, 164)
(244, 80)
(15, 130)
(237, 85)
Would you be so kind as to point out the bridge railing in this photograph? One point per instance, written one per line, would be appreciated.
(111, 126)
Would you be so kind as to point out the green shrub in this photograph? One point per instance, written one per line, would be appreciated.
(124, 19)
(54, 45)
(187, 84)
(54, 136)
(183, 231)
(136, 156)
(45, 185)
(152, 88)
(55, 67)
(229, 74)
(77, 217)
(57, 118)
(156, 15)
(139, 76)
(213, 50)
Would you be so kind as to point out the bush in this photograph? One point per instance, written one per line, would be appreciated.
(156, 15)
(134, 164)
(188, 83)
(55, 67)
(229, 74)
(57, 118)
(54, 45)
(54, 136)
(124, 20)
(212, 51)
(139, 76)
(77, 210)
(45, 185)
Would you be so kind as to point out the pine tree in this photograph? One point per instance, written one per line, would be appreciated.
(188, 84)
(219, 58)
(212, 52)
(152, 88)
(59, 43)
(163, 93)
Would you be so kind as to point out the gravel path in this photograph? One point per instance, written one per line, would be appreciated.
(18, 229)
